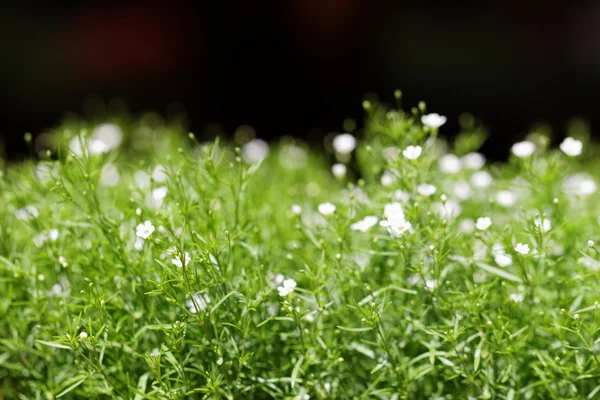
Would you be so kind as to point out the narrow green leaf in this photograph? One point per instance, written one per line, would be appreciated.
(354, 329)
(296, 370)
(70, 388)
(500, 273)
(53, 344)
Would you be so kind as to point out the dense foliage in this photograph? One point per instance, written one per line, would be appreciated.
(139, 263)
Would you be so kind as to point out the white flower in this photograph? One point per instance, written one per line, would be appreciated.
(157, 196)
(503, 259)
(44, 172)
(387, 179)
(326, 208)
(506, 198)
(395, 223)
(56, 289)
(139, 244)
(393, 210)
(198, 302)
(141, 178)
(338, 170)
(109, 176)
(517, 297)
(83, 336)
(571, 147)
(462, 190)
(523, 149)
(365, 224)
(27, 213)
(447, 209)
(144, 230)
(296, 209)
(473, 161)
(288, 287)
(399, 195)
(466, 226)
(544, 225)
(430, 284)
(591, 243)
(579, 184)
(433, 120)
(109, 134)
(450, 164)
(481, 179)
(254, 151)
(177, 261)
(97, 146)
(522, 248)
(412, 152)
(159, 174)
(344, 143)
(425, 189)
(483, 223)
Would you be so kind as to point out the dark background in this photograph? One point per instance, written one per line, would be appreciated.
(300, 67)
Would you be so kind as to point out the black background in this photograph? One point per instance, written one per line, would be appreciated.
(300, 67)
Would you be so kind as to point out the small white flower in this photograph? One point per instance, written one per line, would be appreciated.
(506, 198)
(523, 149)
(466, 225)
(344, 143)
(339, 170)
(27, 213)
(254, 151)
(591, 243)
(412, 152)
(45, 172)
(450, 164)
(56, 289)
(296, 209)
(159, 193)
(53, 235)
(326, 208)
(365, 224)
(502, 259)
(481, 179)
(159, 174)
(83, 336)
(97, 146)
(483, 223)
(393, 210)
(462, 190)
(109, 134)
(522, 248)
(448, 209)
(139, 244)
(288, 287)
(396, 226)
(517, 297)
(473, 161)
(571, 147)
(425, 189)
(387, 179)
(580, 184)
(433, 120)
(430, 284)
(144, 230)
(400, 195)
(544, 225)
(177, 261)
(198, 302)
(109, 176)
(277, 280)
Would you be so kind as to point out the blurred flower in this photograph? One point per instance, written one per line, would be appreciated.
(254, 151)
(473, 161)
(450, 164)
(483, 223)
(412, 152)
(296, 209)
(338, 170)
(344, 143)
(523, 149)
(544, 225)
(571, 147)
(506, 198)
(177, 261)
(433, 120)
(522, 248)
(288, 287)
(326, 208)
(481, 179)
(27, 213)
(365, 224)
(425, 189)
(198, 302)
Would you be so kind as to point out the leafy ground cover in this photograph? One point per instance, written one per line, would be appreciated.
(139, 263)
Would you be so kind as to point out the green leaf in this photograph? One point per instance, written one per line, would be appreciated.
(70, 388)
(296, 370)
(141, 386)
(54, 344)
(500, 273)
(354, 329)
